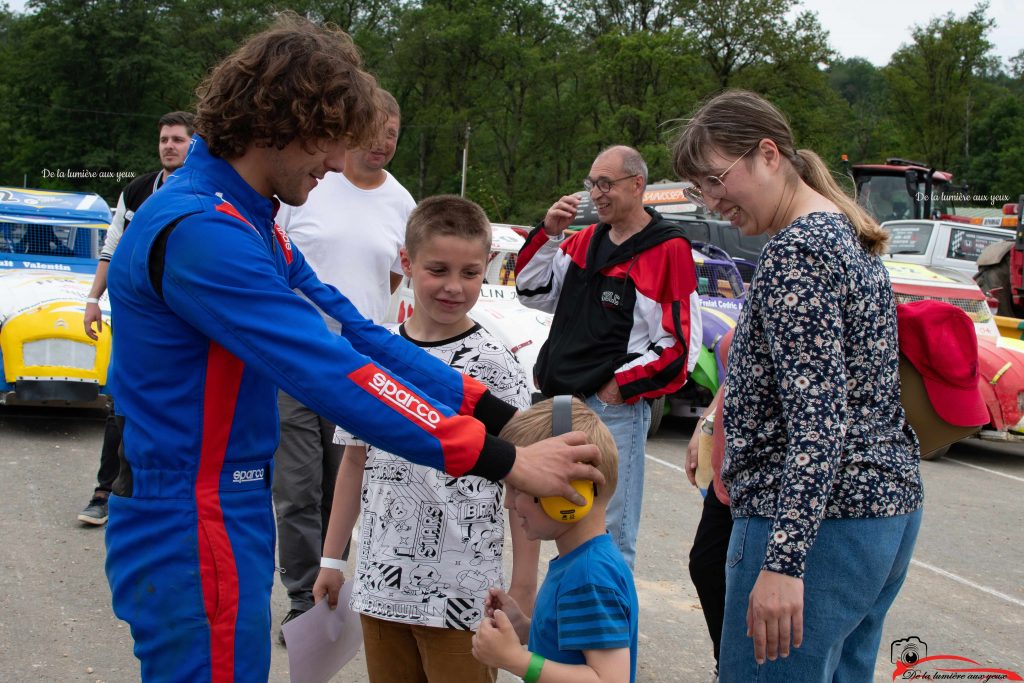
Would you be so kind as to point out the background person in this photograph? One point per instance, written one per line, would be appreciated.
(175, 130)
(821, 465)
(209, 326)
(711, 541)
(627, 315)
(350, 231)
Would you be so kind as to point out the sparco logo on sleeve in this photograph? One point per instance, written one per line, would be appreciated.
(372, 379)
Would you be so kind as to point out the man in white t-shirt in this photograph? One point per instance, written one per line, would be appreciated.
(350, 230)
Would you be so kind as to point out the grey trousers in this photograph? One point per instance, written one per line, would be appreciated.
(305, 467)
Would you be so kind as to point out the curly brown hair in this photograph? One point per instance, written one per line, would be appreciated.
(295, 80)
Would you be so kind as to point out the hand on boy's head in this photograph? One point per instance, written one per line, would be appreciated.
(545, 468)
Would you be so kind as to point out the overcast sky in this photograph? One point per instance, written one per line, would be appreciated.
(874, 29)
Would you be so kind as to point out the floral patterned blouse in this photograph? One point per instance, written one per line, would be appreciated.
(813, 421)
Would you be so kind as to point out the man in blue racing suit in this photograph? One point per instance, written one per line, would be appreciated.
(208, 327)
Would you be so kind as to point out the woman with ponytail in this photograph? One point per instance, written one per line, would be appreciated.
(821, 466)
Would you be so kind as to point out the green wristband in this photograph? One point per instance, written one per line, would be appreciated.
(533, 670)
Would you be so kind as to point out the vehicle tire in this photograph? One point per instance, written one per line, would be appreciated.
(657, 412)
(997, 276)
(934, 455)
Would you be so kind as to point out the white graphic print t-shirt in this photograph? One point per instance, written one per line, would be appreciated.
(430, 544)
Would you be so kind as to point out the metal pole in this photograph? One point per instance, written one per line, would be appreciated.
(465, 161)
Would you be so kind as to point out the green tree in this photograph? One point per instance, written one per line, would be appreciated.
(866, 127)
(996, 167)
(934, 83)
(86, 83)
(595, 18)
(637, 83)
(738, 36)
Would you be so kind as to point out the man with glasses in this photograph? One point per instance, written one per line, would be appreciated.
(627, 315)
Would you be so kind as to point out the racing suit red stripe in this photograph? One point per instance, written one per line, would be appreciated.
(472, 392)
(216, 557)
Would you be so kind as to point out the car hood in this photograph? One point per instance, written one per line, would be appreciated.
(26, 290)
(522, 330)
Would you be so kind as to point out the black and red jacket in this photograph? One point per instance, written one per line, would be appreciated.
(636, 316)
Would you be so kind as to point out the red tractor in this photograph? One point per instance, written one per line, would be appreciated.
(901, 189)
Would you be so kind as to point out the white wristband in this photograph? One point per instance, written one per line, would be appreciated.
(92, 300)
(331, 563)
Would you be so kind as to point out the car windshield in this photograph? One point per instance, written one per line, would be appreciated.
(501, 268)
(719, 279)
(51, 240)
(910, 238)
(885, 198)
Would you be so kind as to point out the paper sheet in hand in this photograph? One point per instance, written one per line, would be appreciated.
(323, 640)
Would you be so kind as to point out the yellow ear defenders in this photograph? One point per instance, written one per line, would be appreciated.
(558, 508)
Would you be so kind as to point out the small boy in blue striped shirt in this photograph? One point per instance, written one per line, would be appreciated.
(586, 614)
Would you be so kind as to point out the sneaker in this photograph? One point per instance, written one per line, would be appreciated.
(288, 617)
(95, 512)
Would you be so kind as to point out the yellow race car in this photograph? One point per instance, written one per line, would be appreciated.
(49, 243)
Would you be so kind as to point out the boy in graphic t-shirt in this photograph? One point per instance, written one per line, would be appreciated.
(430, 545)
(585, 625)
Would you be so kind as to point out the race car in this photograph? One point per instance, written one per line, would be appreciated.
(49, 242)
(1000, 358)
(722, 293)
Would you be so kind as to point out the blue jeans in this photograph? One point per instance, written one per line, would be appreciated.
(854, 571)
(628, 425)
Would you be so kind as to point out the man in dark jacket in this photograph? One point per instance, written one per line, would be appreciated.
(627, 315)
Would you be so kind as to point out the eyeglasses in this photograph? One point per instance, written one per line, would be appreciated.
(604, 184)
(712, 185)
